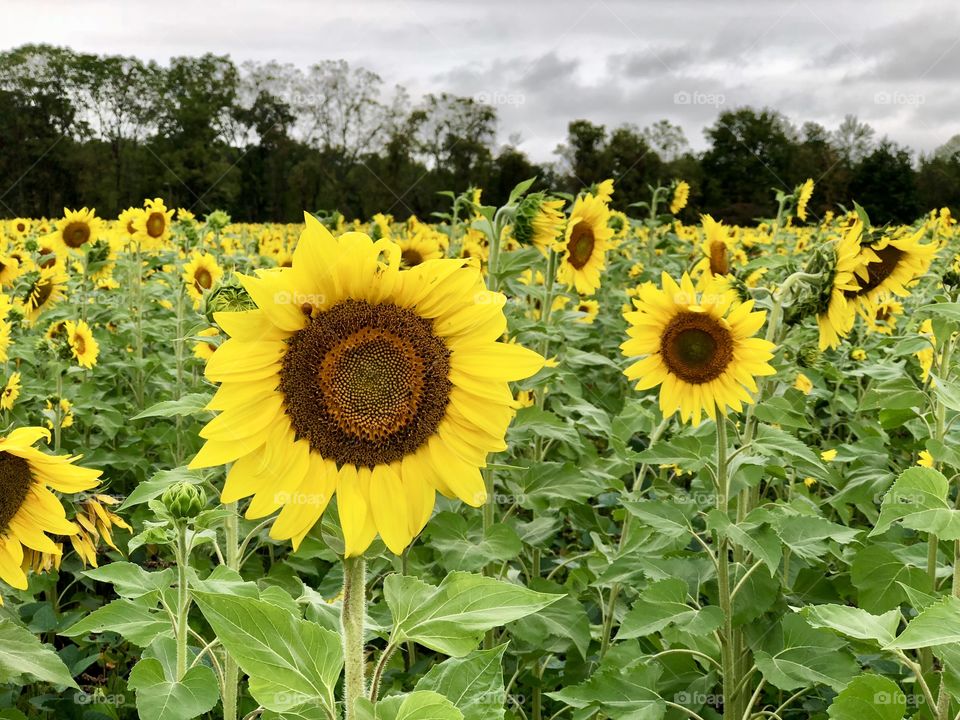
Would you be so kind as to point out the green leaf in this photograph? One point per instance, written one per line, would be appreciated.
(161, 696)
(474, 684)
(451, 618)
(463, 544)
(796, 655)
(420, 705)
(130, 618)
(948, 393)
(773, 442)
(763, 543)
(854, 622)
(937, 624)
(621, 694)
(686, 452)
(879, 576)
(289, 660)
(918, 500)
(190, 404)
(22, 655)
(869, 697)
(130, 580)
(664, 603)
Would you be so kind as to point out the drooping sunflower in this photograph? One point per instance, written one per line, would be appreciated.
(46, 289)
(28, 508)
(539, 220)
(76, 229)
(152, 225)
(804, 193)
(358, 379)
(699, 347)
(681, 194)
(585, 244)
(717, 248)
(201, 274)
(836, 312)
(82, 343)
(895, 263)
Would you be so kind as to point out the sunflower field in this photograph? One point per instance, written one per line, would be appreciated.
(531, 462)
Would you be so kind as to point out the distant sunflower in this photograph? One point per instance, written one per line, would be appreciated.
(21, 227)
(152, 224)
(585, 244)
(417, 249)
(803, 198)
(204, 349)
(681, 194)
(10, 392)
(9, 270)
(82, 343)
(76, 229)
(882, 318)
(896, 262)
(5, 340)
(28, 509)
(588, 309)
(699, 347)
(200, 275)
(45, 290)
(359, 379)
(717, 248)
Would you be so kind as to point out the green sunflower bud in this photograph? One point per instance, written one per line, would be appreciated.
(217, 220)
(184, 500)
(227, 296)
(809, 356)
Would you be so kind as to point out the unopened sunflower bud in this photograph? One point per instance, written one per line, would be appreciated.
(538, 220)
(217, 220)
(228, 296)
(184, 500)
(808, 356)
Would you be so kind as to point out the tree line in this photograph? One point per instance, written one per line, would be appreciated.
(264, 141)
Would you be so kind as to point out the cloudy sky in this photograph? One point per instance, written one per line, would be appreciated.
(894, 64)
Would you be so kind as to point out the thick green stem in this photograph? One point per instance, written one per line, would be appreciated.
(183, 599)
(351, 624)
(730, 699)
(231, 671)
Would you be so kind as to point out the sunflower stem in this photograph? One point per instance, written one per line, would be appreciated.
(183, 599)
(231, 671)
(730, 699)
(351, 623)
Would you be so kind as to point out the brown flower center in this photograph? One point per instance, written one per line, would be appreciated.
(877, 272)
(76, 234)
(80, 344)
(411, 258)
(366, 384)
(156, 224)
(581, 244)
(15, 482)
(719, 263)
(202, 279)
(41, 292)
(696, 348)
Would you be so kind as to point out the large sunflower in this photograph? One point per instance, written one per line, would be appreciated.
(28, 509)
(896, 262)
(585, 244)
(358, 379)
(76, 229)
(699, 347)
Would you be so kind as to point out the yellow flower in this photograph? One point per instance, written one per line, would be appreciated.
(828, 455)
(803, 384)
(76, 229)
(28, 508)
(858, 354)
(681, 193)
(357, 379)
(585, 245)
(925, 459)
(204, 349)
(698, 347)
(82, 343)
(589, 310)
(803, 198)
(152, 225)
(809, 481)
(200, 275)
(11, 392)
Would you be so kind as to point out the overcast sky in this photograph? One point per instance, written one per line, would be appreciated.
(894, 64)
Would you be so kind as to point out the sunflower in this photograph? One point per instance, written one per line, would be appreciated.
(698, 347)
(204, 349)
(588, 310)
(717, 248)
(76, 229)
(836, 312)
(65, 410)
(804, 193)
(152, 225)
(200, 275)
(5, 340)
(94, 523)
(356, 378)
(585, 244)
(925, 356)
(21, 227)
(45, 290)
(126, 227)
(882, 318)
(28, 509)
(681, 194)
(10, 393)
(539, 221)
(82, 343)
(894, 264)
(417, 249)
